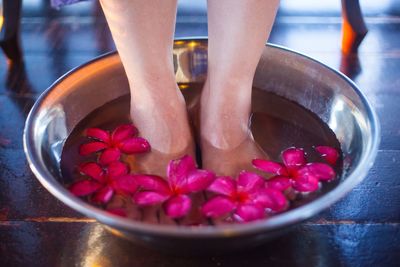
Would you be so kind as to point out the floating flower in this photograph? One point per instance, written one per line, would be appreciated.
(247, 198)
(122, 140)
(118, 211)
(295, 171)
(104, 182)
(330, 154)
(183, 178)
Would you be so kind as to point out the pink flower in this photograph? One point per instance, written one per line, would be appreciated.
(330, 154)
(295, 171)
(247, 198)
(118, 211)
(183, 179)
(104, 183)
(122, 140)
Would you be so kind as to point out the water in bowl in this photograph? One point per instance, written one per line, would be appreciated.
(277, 124)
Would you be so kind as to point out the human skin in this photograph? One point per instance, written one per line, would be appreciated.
(237, 32)
(143, 33)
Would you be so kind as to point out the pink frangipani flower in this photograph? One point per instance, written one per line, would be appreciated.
(122, 140)
(183, 178)
(330, 154)
(295, 171)
(118, 212)
(247, 198)
(104, 182)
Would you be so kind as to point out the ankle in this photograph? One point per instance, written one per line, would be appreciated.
(164, 122)
(225, 113)
(154, 86)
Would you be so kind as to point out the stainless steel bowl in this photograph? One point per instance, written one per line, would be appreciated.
(324, 91)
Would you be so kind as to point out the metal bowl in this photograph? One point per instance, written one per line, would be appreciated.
(324, 91)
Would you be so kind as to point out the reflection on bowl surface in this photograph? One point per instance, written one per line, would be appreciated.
(281, 72)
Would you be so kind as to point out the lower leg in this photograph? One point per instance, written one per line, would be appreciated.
(143, 33)
(237, 31)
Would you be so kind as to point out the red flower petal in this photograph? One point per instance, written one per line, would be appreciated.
(217, 206)
(293, 157)
(178, 206)
(118, 212)
(271, 198)
(125, 184)
(84, 188)
(249, 212)
(269, 166)
(116, 169)
(321, 171)
(134, 145)
(330, 154)
(98, 134)
(103, 195)
(149, 198)
(280, 183)
(249, 182)
(92, 147)
(109, 155)
(198, 180)
(305, 181)
(178, 170)
(93, 170)
(153, 183)
(123, 132)
(224, 185)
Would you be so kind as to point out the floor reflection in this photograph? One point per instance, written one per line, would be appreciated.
(303, 246)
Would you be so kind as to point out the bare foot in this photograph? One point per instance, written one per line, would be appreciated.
(155, 162)
(230, 161)
(161, 119)
(161, 116)
(227, 144)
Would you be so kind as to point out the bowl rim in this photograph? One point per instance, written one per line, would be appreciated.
(284, 219)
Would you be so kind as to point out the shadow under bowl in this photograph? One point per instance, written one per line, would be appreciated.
(318, 88)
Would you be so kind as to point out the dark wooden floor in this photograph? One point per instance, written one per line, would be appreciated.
(363, 229)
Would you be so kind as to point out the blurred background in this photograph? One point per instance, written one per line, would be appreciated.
(62, 39)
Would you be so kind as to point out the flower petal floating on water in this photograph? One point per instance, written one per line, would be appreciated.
(124, 132)
(84, 188)
(303, 177)
(92, 147)
(93, 170)
(247, 198)
(183, 178)
(330, 154)
(321, 171)
(122, 140)
(177, 206)
(305, 182)
(118, 211)
(98, 134)
(218, 206)
(109, 155)
(104, 183)
(270, 166)
(280, 183)
(293, 157)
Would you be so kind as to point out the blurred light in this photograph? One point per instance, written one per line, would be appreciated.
(1, 14)
(192, 44)
(183, 86)
(179, 42)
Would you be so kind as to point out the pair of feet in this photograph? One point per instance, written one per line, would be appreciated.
(220, 126)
